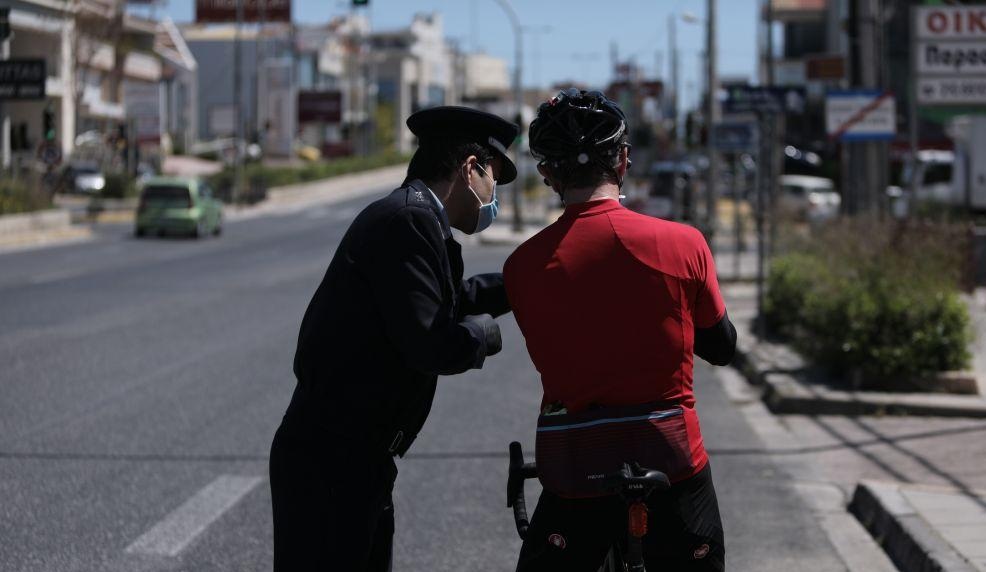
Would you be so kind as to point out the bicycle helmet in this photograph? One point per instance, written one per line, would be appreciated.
(576, 127)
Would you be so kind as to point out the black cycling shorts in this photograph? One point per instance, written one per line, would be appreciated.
(573, 535)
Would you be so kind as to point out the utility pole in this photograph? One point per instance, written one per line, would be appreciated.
(675, 86)
(865, 163)
(238, 104)
(518, 190)
(712, 118)
(5, 150)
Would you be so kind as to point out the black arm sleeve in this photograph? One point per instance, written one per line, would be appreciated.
(406, 278)
(483, 294)
(717, 344)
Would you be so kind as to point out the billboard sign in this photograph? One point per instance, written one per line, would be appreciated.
(746, 99)
(952, 90)
(319, 106)
(736, 137)
(23, 79)
(951, 22)
(143, 102)
(254, 11)
(949, 54)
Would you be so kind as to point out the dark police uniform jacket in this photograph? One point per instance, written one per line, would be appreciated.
(386, 320)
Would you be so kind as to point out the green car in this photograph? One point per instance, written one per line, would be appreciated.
(178, 205)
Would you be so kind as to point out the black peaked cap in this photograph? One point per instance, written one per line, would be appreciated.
(487, 129)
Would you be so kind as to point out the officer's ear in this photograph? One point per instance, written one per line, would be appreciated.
(468, 167)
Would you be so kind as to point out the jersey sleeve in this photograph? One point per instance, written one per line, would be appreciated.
(709, 305)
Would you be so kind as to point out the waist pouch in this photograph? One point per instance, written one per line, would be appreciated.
(574, 450)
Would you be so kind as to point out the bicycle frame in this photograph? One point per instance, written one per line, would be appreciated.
(632, 483)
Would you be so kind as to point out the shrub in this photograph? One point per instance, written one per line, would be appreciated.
(118, 186)
(879, 300)
(260, 177)
(21, 197)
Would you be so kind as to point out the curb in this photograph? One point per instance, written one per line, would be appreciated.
(38, 221)
(909, 540)
(788, 390)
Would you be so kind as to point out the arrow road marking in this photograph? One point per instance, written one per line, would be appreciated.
(177, 530)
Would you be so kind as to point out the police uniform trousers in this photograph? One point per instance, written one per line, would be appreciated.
(332, 503)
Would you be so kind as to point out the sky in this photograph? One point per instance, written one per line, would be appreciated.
(566, 40)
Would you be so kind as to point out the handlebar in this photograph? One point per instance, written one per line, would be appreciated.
(519, 471)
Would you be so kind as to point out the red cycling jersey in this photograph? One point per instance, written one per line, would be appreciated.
(608, 301)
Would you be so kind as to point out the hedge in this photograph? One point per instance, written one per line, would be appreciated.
(879, 302)
(260, 177)
(21, 197)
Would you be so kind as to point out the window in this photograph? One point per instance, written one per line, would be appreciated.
(936, 173)
(306, 71)
(436, 95)
(171, 195)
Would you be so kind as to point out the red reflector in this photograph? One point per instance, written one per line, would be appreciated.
(638, 520)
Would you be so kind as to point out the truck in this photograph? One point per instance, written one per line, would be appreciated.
(956, 178)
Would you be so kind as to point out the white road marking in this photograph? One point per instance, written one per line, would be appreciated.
(177, 530)
(55, 276)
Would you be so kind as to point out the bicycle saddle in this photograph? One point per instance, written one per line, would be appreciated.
(636, 479)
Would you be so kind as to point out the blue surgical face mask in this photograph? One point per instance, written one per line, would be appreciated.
(488, 211)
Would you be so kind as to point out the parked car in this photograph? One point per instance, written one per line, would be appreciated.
(809, 198)
(84, 177)
(671, 192)
(176, 205)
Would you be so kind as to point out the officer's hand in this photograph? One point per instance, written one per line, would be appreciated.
(492, 331)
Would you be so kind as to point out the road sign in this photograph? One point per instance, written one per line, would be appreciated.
(22, 79)
(825, 68)
(224, 11)
(736, 137)
(860, 115)
(746, 99)
(49, 153)
(321, 106)
(950, 55)
(951, 90)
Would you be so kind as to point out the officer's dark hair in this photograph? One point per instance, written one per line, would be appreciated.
(436, 160)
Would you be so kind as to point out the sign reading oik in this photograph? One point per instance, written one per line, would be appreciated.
(950, 54)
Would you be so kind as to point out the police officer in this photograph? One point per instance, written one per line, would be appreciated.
(391, 314)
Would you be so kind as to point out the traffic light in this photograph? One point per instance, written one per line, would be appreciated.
(48, 124)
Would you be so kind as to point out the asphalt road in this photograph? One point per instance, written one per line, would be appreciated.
(141, 382)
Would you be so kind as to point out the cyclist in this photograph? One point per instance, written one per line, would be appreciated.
(613, 305)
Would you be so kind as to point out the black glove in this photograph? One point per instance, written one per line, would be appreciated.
(490, 329)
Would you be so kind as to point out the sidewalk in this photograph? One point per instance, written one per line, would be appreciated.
(916, 483)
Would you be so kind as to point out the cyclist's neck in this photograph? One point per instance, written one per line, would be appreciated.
(587, 194)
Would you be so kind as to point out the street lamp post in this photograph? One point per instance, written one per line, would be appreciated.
(711, 115)
(675, 85)
(518, 221)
